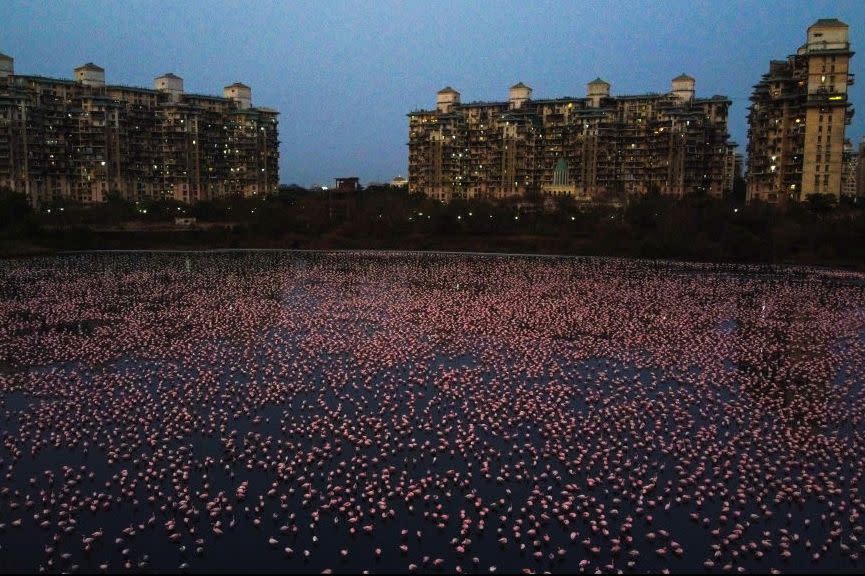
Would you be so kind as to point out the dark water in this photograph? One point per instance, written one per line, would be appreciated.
(532, 398)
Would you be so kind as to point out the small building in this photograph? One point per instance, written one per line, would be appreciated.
(399, 182)
(185, 221)
(561, 185)
(349, 184)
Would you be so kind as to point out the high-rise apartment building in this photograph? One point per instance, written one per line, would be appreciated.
(797, 119)
(849, 170)
(83, 139)
(860, 170)
(589, 148)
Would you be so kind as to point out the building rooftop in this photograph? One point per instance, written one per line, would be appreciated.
(714, 98)
(237, 85)
(599, 80)
(829, 22)
(478, 103)
(566, 100)
(206, 97)
(647, 96)
(562, 100)
(447, 90)
(519, 85)
(171, 75)
(131, 88)
(5, 57)
(91, 66)
(45, 79)
(683, 77)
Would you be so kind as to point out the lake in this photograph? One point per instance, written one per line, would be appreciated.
(391, 412)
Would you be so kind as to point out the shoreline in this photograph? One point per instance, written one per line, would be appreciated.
(434, 245)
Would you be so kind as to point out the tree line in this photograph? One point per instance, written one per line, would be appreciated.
(694, 227)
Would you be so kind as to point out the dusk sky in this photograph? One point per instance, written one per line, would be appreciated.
(344, 75)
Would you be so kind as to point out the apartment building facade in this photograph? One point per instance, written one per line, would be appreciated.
(797, 119)
(590, 148)
(83, 139)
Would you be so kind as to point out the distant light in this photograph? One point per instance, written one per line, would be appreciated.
(573, 218)
(735, 210)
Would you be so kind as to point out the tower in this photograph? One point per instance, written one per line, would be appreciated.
(683, 87)
(826, 55)
(170, 84)
(597, 90)
(7, 65)
(518, 95)
(797, 119)
(90, 75)
(446, 99)
(240, 93)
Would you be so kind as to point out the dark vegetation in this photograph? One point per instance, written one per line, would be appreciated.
(653, 226)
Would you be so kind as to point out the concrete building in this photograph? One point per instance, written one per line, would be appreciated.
(347, 184)
(860, 170)
(797, 119)
(83, 139)
(590, 148)
(849, 170)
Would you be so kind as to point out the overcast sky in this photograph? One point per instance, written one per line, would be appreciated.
(344, 75)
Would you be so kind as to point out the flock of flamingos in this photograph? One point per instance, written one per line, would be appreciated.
(399, 412)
